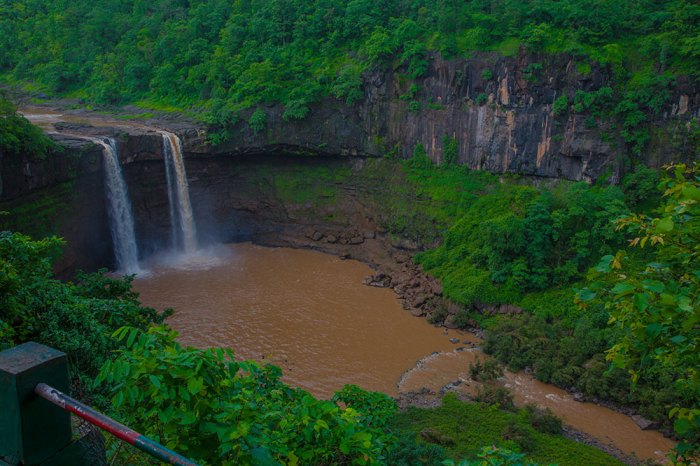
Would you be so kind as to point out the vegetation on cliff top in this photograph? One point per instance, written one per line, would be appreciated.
(218, 57)
(18, 136)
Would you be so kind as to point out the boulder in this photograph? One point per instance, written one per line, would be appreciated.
(450, 323)
(644, 423)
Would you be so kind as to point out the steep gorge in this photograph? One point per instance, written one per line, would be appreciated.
(498, 109)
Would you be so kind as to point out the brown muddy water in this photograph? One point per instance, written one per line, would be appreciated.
(605, 425)
(310, 314)
(305, 311)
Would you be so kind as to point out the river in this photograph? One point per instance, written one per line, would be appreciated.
(310, 314)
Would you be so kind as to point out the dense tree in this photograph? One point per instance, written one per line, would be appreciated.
(657, 309)
(250, 51)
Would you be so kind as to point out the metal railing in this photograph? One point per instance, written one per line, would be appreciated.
(120, 431)
(36, 425)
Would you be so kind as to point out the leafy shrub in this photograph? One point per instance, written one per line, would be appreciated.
(495, 395)
(18, 136)
(487, 75)
(76, 318)
(494, 456)
(257, 121)
(450, 150)
(520, 434)
(542, 420)
(237, 412)
(481, 98)
(420, 158)
(487, 371)
(560, 105)
(408, 452)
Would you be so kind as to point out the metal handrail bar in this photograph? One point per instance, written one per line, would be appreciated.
(120, 431)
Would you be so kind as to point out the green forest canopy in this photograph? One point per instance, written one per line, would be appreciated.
(222, 56)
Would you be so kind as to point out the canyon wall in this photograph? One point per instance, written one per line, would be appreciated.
(500, 117)
(498, 109)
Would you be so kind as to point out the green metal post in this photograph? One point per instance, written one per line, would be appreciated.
(32, 430)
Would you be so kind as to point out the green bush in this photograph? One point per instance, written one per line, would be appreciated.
(237, 412)
(450, 150)
(257, 121)
(18, 136)
(76, 318)
(560, 105)
(487, 75)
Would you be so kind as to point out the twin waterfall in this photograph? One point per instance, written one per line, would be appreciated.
(121, 220)
(184, 233)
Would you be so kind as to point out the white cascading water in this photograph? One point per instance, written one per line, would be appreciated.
(121, 220)
(184, 232)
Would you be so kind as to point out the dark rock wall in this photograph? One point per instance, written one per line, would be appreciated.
(64, 195)
(514, 130)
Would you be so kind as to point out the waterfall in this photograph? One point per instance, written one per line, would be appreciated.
(184, 232)
(121, 220)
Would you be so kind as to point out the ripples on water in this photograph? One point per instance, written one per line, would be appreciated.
(305, 311)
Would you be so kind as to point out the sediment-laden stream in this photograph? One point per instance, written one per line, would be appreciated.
(310, 314)
(302, 310)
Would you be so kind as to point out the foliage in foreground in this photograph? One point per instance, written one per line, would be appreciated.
(74, 317)
(657, 309)
(215, 409)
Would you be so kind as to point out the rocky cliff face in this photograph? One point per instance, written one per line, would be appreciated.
(64, 194)
(499, 111)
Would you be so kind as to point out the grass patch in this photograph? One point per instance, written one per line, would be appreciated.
(467, 427)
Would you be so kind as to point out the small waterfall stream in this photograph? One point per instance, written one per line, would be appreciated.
(184, 231)
(121, 220)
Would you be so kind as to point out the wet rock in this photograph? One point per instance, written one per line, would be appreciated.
(379, 279)
(357, 240)
(450, 323)
(345, 256)
(418, 312)
(401, 279)
(402, 258)
(405, 243)
(644, 423)
(418, 300)
(578, 396)
(454, 341)
(317, 236)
